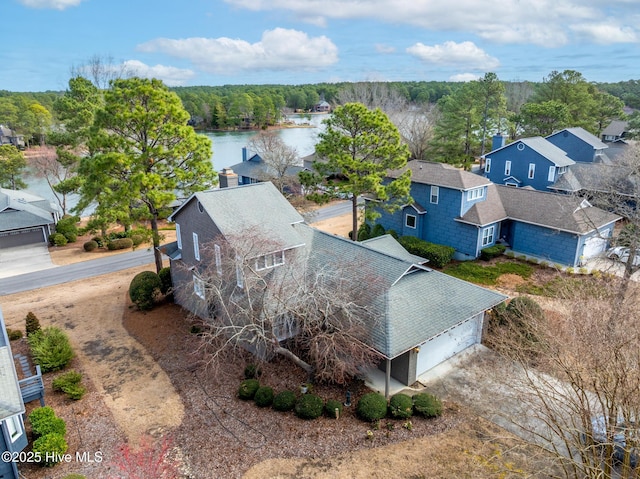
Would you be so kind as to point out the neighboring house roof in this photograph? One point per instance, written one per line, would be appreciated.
(11, 402)
(598, 177)
(240, 209)
(547, 149)
(415, 303)
(584, 135)
(19, 209)
(616, 128)
(552, 210)
(441, 174)
(256, 168)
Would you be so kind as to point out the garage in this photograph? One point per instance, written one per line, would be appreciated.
(449, 343)
(22, 237)
(594, 246)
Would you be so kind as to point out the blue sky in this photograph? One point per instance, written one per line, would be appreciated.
(217, 42)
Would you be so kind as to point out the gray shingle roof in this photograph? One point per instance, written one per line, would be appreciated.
(441, 174)
(260, 170)
(415, 304)
(547, 149)
(557, 211)
(584, 135)
(387, 244)
(616, 128)
(19, 209)
(598, 177)
(486, 212)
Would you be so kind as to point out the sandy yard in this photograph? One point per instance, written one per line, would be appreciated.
(147, 376)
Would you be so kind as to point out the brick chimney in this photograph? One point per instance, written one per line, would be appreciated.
(228, 179)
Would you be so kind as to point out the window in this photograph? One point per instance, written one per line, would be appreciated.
(487, 236)
(507, 167)
(218, 258)
(475, 193)
(270, 260)
(435, 193)
(552, 173)
(14, 427)
(410, 221)
(198, 286)
(487, 165)
(532, 170)
(196, 247)
(239, 274)
(178, 237)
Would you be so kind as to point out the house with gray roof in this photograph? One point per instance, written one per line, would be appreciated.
(420, 317)
(13, 437)
(468, 212)
(617, 130)
(25, 218)
(253, 169)
(9, 137)
(579, 144)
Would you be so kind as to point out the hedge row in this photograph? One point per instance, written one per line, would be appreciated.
(437, 254)
(373, 406)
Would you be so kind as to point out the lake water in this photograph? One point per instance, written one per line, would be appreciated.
(227, 149)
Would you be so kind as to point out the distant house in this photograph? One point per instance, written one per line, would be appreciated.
(25, 218)
(13, 437)
(422, 317)
(579, 144)
(322, 107)
(254, 169)
(9, 137)
(469, 213)
(616, 130)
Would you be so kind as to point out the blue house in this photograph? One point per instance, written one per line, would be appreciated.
(254, 169)
(13, 437)
(579, 144)
(534, 162)
(467, 212)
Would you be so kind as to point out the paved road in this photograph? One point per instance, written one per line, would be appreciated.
(331, 211)
(73, 272)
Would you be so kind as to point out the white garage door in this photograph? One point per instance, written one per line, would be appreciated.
(593, 247)
(448, 344)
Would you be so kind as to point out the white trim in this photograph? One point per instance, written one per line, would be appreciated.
(270, 260)
(435, 193)
(507, 167)
(198, 286)
(475, 193)
(487, 165)
(218, 258)
(15, 428)
(532, 171)
(552, 173)
(178, 236)
(196, 247)
(488, 235)
(415, 221)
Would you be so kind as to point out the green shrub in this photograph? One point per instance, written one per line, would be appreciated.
(393, 233)
(330, 408)
(68, 227)
(13, 334)
(50, 448)
(90, 246)
(248, 389)
(492, 251)
(401, 406)
(144, 289)
(99, 240)
(32, 323)
(74, 476)
(427, 405)
(136, 240)
(166, 285)
(44, 421)
(309, 406)
(487, 275)
(371, 407)
(50, 348)
(364, 232)
(58, 239)
(284, 401)
(119, 243)
(69, 383)
(438, 255)
(251, 371)
(263, 396)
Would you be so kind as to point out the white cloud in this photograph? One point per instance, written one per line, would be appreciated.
(464, 77)
(607, 33)
(279, 49)
(381, 48)
(548, 23)
(463, 55)
(55, 4)
(171, 76)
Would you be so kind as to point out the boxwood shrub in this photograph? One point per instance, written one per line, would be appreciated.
(284, 401)
(401, 406)
(371, 407)
(90, 246)
(50, 348)
(437, 254)
(427, 405)
(144, 288)
(309, 406)
(44, 421)
(492, 251)
(58, 239)
(248, 388)
(263, 396)
(119, 243)
(330, 408)
(50, 448)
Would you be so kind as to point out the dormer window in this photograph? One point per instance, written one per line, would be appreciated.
(270, 260)
(475, 194)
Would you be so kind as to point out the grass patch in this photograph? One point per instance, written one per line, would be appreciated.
(487, 275)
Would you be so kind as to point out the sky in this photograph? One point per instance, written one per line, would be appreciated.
(219, 42)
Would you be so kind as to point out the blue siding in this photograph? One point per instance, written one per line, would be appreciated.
(553, 246)
(467, 203)
(520, 160)
(576, 149)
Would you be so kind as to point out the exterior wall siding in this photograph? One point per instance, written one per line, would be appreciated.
(576, 149)
(552, 246)
(520, 160)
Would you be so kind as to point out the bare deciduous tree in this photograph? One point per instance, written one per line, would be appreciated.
(416, 128)
(275, 303)
(101, 70)
(373, 95)
(582, 385)
(59, 169)
(279, 159)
